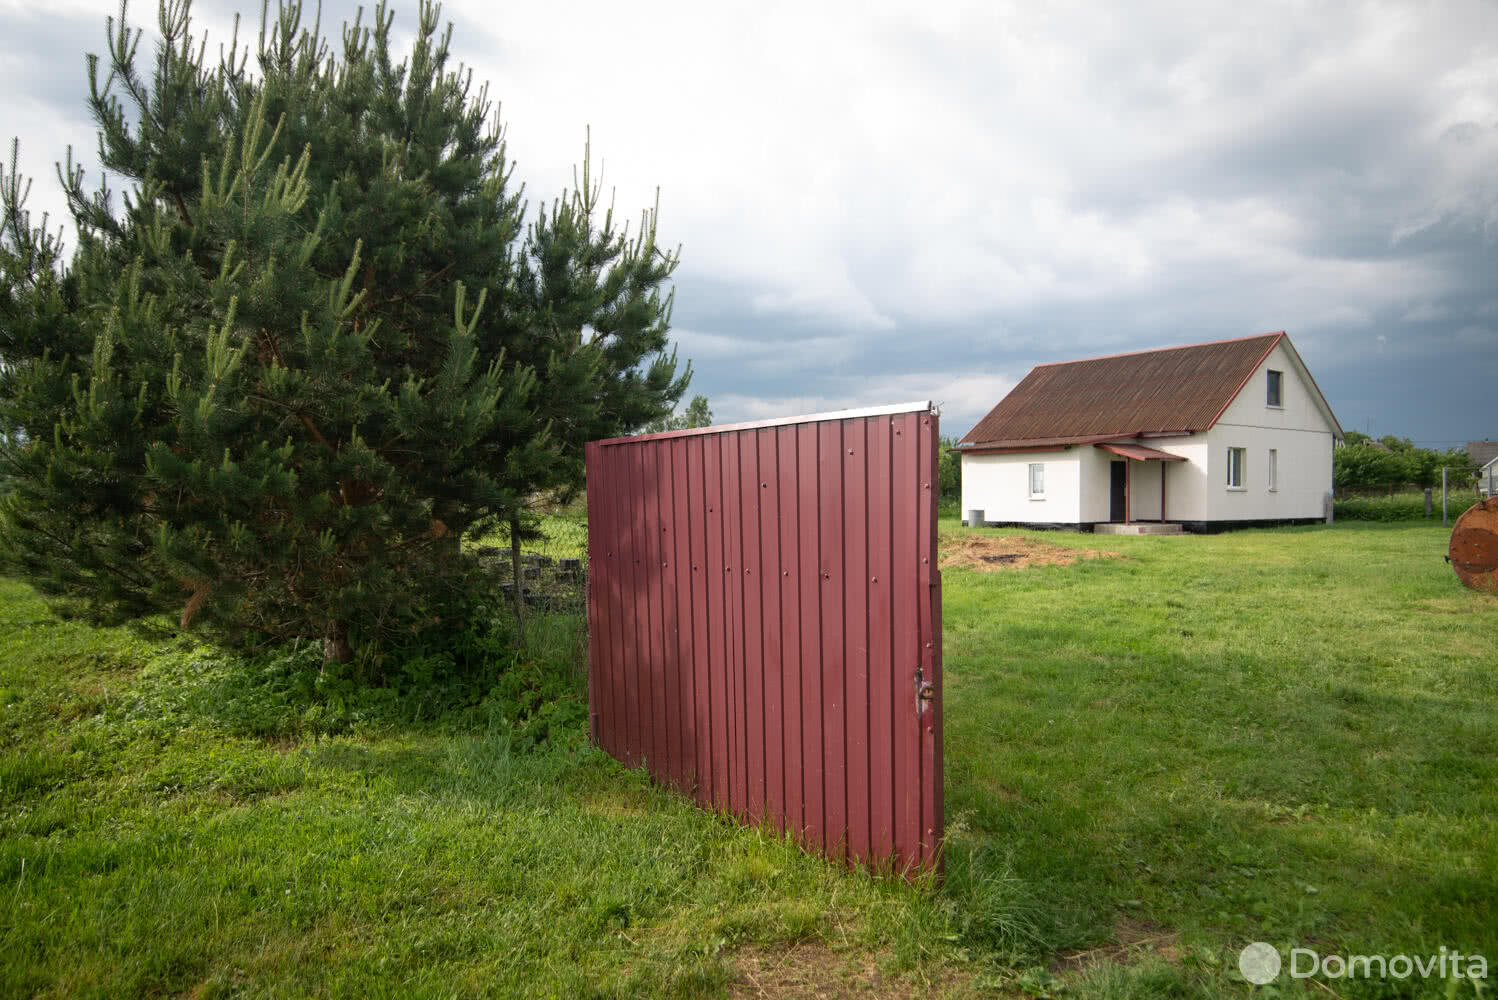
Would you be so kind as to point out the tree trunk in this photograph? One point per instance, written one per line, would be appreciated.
(517, 574)
(335, 647)
(448, 537)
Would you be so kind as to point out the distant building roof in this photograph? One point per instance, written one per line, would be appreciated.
(1175, 389)
(1481, 452)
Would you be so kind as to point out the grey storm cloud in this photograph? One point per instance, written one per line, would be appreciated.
(877, 204)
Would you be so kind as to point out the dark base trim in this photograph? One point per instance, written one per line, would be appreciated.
(1217, 527)
(1192, 527)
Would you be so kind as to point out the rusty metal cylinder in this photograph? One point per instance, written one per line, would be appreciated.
(1474, 547)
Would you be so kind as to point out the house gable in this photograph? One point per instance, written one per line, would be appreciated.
(1302, 407)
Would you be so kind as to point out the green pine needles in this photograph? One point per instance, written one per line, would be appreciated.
(314, 346)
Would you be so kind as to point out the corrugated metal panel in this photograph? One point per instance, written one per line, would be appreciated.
(765, 624)
(1176, 389)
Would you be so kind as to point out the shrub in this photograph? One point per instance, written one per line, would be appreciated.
(1399, 507)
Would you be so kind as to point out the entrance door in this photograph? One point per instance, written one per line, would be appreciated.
(1117, 484)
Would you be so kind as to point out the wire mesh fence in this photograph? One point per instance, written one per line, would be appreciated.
(553, 564)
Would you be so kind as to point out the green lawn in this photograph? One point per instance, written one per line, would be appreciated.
(1285, 735)
(178, 823)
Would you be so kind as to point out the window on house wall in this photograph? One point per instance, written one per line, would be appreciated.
(1236, 457)
(1274, 469)
(1037, 480)
(1276, 388)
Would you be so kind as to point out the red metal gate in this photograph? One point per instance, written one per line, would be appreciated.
(765, 623)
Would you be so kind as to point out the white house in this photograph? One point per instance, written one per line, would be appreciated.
(1487, 476)
(1206, 436)
(1484, 455)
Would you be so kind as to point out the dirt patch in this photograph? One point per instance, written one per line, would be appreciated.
(811, 970)
(1133, 940)
(987, 553)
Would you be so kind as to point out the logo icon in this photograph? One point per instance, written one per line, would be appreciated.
(1259, 963)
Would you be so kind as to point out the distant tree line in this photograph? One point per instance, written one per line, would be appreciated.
(696, 414)
(1364, 463)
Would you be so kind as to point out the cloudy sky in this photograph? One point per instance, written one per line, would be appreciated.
(876, 205)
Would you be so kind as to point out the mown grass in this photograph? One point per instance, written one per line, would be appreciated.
(1270, 735)
(1282, 735)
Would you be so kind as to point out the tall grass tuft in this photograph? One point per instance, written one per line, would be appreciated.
(995, 910)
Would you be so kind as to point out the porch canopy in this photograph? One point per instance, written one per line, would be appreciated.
(1139, 453)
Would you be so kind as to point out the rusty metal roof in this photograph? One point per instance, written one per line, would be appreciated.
(1473, 551)
(1140, 453)
(1481, 452)
(1176, 389)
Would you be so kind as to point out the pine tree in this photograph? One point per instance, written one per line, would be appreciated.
(315, 345)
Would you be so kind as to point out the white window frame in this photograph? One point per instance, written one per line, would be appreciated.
(1237, 463)
(1037, 467)
(1273, 470)
(1269, 385)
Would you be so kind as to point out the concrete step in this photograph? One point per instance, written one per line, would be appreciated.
(1138, 528)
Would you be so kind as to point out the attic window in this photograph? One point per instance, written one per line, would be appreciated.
(1276, 388)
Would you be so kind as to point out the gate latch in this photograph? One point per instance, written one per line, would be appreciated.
(924, 692)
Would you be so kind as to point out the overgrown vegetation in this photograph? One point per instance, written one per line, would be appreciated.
(1402, 506)
(949, 478)
(1142, 777)
(175, 820)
